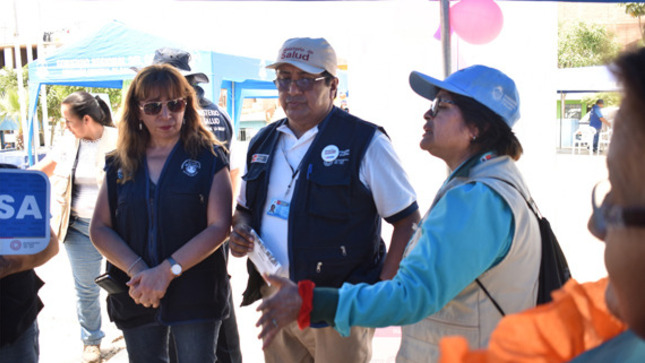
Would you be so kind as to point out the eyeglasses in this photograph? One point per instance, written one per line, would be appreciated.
(153, 108)
(434, 109)
(303, 84)
(605, 214)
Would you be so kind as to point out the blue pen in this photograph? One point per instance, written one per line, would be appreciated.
(309, 170)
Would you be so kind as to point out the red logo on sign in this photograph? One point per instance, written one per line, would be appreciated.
(15, 245)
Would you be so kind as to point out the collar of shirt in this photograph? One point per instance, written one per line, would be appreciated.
(289, 139)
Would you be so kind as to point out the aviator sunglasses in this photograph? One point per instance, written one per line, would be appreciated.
(153, 108)
(303, 84)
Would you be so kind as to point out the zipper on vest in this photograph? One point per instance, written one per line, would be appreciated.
(319, 267)
(343, 251)
(201, 198)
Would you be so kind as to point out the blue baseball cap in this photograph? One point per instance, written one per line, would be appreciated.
(486, 85)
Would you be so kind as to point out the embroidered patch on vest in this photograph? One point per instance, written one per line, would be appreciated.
(190, 167)
(259, 158)
(329, 154)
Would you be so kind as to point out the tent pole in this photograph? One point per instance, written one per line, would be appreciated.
(26, 131)
(47, 129)
(563, 97)
(444, 17)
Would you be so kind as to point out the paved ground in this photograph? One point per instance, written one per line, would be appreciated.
(565, 201)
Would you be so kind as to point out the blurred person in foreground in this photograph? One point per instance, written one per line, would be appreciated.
(161, 216)
(601, 321)
(479, 230)
(316, 186)
(219, 124)
(19, 302)
(75, 167)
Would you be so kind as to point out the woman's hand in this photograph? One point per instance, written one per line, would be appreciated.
(241, 240)
(149, 286)
(280, 309)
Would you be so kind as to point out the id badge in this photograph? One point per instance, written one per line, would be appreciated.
(279, 208)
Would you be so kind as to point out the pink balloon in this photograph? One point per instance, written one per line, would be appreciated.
(476, 21)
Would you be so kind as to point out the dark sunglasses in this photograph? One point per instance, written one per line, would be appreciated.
(606, 214)
(153, 108)
(434, 109)
(303, 84)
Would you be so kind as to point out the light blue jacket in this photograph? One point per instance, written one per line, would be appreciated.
(467, 234)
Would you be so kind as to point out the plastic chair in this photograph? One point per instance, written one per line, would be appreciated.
(603, 140)
(583, 137)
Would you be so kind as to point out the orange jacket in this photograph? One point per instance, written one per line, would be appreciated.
(575, 321)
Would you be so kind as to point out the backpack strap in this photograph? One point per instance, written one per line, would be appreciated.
(499, 308)
(554, 268)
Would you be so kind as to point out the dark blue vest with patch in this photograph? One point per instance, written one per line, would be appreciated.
(155, 221)
(334, 227)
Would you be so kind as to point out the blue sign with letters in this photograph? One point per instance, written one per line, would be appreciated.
(24, 211)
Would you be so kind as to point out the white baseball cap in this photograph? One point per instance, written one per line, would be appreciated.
(312, 55)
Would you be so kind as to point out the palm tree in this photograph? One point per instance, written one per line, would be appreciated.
(637, 10)
(10, 111)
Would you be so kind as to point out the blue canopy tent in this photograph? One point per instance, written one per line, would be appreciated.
(105, 58)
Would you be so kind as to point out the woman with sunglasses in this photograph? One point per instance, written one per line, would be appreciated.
(75, 168)
(478, 234)
(161, 216)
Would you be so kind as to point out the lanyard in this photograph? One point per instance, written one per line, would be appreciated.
(294, 172)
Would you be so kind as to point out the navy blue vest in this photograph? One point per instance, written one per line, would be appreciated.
(215, 119)
(334, 227)
(157, 223)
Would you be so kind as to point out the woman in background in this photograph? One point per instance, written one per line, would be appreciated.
(75, 167)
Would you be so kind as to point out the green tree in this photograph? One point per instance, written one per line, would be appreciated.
(55, 95)
(9, 79)
(610, 98)
(636, 10)
(10, 109)
(585, 45)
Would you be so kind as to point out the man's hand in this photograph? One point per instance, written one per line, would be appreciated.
(241, 241)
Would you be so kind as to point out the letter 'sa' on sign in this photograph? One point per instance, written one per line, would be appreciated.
(24, 211)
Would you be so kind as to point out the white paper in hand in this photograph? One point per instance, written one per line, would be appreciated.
(262, 258)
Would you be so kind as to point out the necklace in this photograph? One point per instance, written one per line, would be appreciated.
(91, 141)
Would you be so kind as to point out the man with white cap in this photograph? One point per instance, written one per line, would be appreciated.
(316, 186)
(476, 253)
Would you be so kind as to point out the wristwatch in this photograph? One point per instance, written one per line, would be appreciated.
(175, 267)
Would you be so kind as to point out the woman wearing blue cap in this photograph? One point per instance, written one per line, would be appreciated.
(479, 237)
